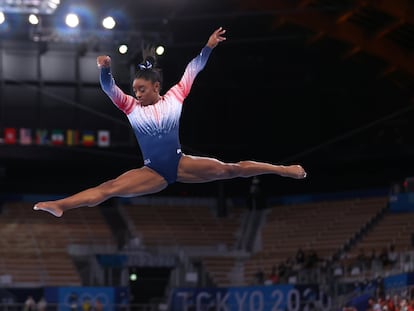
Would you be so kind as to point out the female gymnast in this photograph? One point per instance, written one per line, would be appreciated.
(155, 121)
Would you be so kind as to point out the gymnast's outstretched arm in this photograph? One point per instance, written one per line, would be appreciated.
(182, 88)
(124, 102)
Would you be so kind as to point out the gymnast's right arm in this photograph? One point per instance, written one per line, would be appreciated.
(124, 102)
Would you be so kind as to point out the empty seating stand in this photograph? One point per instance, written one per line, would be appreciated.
(34, 244)
(161, 225)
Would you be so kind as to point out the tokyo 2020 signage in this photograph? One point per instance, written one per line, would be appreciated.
(258, 298)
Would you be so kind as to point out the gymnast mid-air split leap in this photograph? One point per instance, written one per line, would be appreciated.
(155, 121)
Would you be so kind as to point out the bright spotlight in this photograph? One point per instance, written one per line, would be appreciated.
(33, 19)
(108, 22)
(123, 48)
(133, 277)
(72, 20)
(160, 50)
(2, 18)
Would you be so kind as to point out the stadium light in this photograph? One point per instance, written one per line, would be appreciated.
(33, 19)
(108, 22)
(2, 18)
(72, 20)
(123, 49)
(160, 50)
(133, 277)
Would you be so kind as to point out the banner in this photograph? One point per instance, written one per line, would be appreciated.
(257, 298)
(74, 298)
(402, 202)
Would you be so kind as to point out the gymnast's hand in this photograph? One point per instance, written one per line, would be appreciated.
(216, 37)
(103, 61)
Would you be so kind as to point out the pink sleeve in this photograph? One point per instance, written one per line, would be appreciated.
(182, 88)
(124, 102)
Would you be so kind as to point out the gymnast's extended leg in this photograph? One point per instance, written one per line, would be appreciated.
(193, 169)
(132, 183)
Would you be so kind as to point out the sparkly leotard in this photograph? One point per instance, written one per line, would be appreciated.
(156, 126)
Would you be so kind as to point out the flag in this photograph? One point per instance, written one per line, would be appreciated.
(88, 138)
(72, 137)
(25, 136)
(10, 136)
(103, 138)
(57, 138)
(41, 137)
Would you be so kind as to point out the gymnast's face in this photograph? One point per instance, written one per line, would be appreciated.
(146, 91)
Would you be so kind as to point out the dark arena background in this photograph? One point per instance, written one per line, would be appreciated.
(327, 84)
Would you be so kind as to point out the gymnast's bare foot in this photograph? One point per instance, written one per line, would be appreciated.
(50, 207)
(294, 171)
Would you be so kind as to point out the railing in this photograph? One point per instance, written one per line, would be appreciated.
(353, 270)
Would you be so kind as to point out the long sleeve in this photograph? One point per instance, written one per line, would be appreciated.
(182, 88)
(124, 102)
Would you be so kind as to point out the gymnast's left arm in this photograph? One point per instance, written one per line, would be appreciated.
(182, 89)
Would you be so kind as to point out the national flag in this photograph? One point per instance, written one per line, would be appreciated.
(88, 139)
(10, 136)
(103, 138)
(57, 138)
(25, 136)
(41, 137)
(72, 137)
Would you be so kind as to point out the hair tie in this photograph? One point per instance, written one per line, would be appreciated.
(145, 66)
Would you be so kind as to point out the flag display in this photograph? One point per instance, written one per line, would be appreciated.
(88, 139)
(57, 138)
(103, 138)
(72, 137)
(25, 136)
(10, 136)
(41, 137)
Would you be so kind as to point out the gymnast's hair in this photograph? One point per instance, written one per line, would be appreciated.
(147, 69)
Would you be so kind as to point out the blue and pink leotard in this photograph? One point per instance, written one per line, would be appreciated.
(156, 126)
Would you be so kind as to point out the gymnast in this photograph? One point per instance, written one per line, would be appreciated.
(155, 121)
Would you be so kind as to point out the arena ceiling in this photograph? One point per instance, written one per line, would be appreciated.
(326, 83)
